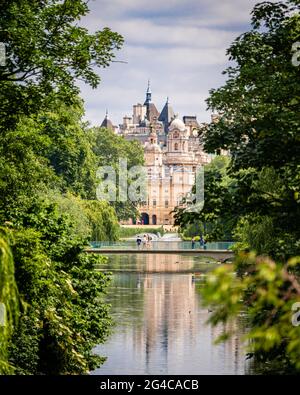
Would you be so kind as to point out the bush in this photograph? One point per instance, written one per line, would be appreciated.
(268, 292)
(63, 315)
(9, 300)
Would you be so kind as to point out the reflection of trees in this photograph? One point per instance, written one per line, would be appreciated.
(126, 295)
(278, 367)
(157, 263)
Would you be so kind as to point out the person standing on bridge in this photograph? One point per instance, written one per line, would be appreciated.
(193, 243)
(145, 241)
(138, 242)
(202, 242)
(149, 239)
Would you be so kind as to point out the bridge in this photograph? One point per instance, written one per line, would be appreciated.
(219, 251)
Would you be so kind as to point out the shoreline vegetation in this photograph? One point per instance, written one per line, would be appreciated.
(253, 195)
(52, 300)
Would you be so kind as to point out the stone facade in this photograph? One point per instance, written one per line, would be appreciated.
(173, 151)
(171, 171)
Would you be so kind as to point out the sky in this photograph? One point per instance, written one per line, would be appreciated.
(180, 45)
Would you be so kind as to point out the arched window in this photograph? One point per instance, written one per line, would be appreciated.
(176, 147)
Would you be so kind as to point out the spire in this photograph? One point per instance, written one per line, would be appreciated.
(148, 94)
(106, 123)
(148, 89)
(166, 115)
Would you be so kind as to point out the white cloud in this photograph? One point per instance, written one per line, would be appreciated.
(179, 44)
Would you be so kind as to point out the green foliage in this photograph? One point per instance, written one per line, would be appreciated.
(91, 219)
(9, 300)
(47, 50)
(70, 152)
(257, 193)
(256, 234)
(259, 121)
(48, 169)
(23, 168)
(63, 315)
(193, 230)
(110, 149)
(268, 290)
(103, 220)
(215, 221)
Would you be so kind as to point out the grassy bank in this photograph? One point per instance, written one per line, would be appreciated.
(129, 232)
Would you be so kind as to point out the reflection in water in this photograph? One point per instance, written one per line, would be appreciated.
(160, 324)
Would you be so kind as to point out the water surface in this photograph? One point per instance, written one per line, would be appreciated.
(160, 325)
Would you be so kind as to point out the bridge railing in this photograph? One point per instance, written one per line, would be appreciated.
(161, 245)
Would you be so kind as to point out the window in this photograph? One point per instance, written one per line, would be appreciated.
(166, 203)
(176, 147)
(154, 203)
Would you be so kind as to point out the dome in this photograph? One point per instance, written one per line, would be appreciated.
(152, 148)
(177, 124)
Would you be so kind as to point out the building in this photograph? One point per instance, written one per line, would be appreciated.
(107, 123)
(173, 152)
(171, 173)
(137, 126)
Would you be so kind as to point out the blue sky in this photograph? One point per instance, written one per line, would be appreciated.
(180, 45)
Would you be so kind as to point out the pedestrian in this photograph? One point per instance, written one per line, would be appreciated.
(144, 241)
(138, 242)
(149, 241)
(201, 241)
(193, 243)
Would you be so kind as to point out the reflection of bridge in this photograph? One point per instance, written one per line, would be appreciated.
(218, 251)
(215, 254)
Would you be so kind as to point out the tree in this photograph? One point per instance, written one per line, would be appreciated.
(259, 104)
(259, 124)
(52, 294)
(110, 149)
(63, 316)
(215, 218)
(46, 52)
(269, 291)
(9, 300)
(259, 120)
